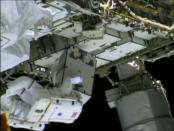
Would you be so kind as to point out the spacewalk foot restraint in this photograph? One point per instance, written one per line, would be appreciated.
(141, 104)
(4, 126)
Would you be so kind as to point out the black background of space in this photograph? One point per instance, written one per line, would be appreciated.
(97, 114)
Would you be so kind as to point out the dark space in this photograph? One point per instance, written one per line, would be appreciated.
(97, 114)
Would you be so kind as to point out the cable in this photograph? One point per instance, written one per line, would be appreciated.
(145, 20)
(94, 4)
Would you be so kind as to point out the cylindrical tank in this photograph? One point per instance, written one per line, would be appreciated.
(146, 110)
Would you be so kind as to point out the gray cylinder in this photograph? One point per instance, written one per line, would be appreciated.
(145, 111)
